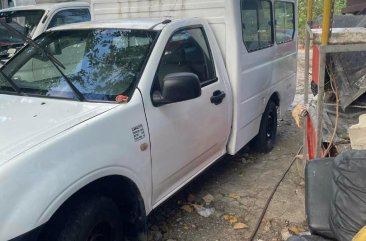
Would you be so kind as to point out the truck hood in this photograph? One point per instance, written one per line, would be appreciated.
(27, 121)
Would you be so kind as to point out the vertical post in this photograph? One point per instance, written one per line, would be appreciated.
(322, 63)
(326, 22)
(310, 6)
(306, 89)
(320, 101)
(309, 18)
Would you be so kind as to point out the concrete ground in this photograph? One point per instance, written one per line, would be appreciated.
(234, 191)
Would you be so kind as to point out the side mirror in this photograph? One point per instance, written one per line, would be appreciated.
(178, 87)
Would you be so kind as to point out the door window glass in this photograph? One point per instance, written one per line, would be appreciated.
(188, 51)
(70, 16)
(256, 16)
(285, 21)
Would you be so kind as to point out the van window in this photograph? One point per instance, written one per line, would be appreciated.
(285, 21)
(188, 51)
(70, 16)
(256, 17)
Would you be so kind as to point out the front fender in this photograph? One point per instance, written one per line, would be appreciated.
(37, 182)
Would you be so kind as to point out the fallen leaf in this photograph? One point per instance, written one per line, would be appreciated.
(230, 218)
(208, 199)
(295, 230)
(240, 226)
(187, 208)
(234, 196)
(298, 113)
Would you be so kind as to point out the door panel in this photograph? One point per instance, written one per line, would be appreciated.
(187, 136)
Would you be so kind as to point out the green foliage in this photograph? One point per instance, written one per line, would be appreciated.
(318, 10)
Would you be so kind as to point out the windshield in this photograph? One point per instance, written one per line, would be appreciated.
(23, 21)
(100, 63)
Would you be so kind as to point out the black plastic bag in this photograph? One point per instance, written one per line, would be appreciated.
(307, 238)
(348, 205)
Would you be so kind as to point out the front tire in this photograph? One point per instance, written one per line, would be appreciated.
(265, 140)
(93, 219)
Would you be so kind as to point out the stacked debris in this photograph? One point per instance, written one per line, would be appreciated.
(345, 76)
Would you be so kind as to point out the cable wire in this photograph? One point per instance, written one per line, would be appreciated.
(333, 84)
(271, 196)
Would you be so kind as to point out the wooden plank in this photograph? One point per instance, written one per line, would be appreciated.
(342, 36)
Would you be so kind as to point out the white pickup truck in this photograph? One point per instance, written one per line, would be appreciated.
(32, 20)
(106, 120)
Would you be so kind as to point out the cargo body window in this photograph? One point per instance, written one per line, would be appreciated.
(257, 24)
(285, 22)
(70, 16)
(188, 51)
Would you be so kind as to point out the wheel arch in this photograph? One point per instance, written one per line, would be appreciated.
(275, 97)
(121, 190)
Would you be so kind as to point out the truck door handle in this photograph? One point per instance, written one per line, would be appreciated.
(217, 97)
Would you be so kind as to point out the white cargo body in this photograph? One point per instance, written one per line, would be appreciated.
(255, 76)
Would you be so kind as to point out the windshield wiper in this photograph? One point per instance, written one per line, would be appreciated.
(53, 60)
(11, 82)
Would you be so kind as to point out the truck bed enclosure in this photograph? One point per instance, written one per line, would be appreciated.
(211, 10)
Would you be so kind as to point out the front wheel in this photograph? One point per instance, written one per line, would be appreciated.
(94, 219)
(266, 137)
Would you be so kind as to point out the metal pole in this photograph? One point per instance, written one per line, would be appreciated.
(320, 101)
(310, 6)
(306, 88)
(326, 21)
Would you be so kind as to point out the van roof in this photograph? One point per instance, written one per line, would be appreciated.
(118, 24)
(47, 6)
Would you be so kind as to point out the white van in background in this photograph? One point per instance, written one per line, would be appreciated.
(258, 43)
(32, 20)
(17, 3)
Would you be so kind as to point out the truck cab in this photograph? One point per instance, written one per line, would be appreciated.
(102, 121)
(32, 20)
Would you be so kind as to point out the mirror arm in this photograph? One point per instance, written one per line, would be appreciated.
(158, 99)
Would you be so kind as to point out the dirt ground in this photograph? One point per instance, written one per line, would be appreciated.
(235, 189)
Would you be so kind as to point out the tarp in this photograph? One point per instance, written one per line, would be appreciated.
(348, 204)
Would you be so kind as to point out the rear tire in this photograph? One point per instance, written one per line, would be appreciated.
(265, 140)
(93, 219)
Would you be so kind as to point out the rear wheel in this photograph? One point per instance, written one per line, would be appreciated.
(94, 219)
(266, 137)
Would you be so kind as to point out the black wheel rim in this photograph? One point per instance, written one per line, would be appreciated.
(101, 232)
(271, 126)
